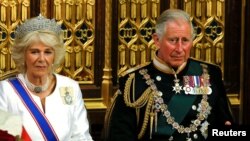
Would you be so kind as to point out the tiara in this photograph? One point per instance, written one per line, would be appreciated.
(37, 23)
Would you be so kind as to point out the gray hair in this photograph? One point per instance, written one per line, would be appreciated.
(172, 15)
(46, 37)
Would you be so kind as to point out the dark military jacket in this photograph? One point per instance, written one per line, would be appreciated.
(131, 118)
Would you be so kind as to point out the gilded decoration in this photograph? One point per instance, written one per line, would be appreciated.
(136, 25)
(136, 20)
(13, 12)
(77, 20)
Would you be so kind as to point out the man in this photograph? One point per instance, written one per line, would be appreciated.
(172, 98)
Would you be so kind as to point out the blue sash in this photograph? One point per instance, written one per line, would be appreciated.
(42, 122)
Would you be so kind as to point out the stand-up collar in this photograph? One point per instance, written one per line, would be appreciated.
(162, 66)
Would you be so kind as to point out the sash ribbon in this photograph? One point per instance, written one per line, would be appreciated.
(41, 121)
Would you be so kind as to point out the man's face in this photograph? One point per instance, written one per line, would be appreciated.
(175, 45)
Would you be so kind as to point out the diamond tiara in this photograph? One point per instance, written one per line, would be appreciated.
(37, 23)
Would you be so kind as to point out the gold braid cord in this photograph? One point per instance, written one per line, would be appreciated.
(146, 117)
(109, 113)
(145, 98)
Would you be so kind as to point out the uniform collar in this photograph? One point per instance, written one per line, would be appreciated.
(162, 66)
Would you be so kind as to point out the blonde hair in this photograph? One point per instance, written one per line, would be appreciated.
(46, 37)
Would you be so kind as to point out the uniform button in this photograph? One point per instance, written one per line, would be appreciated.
(195, 136)
(171, 138)
(160, 93)
(194, 107)
(158, 78)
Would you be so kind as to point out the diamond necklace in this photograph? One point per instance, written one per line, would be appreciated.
(159, 105)
(35, 88)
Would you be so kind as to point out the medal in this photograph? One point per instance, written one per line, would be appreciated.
(177, 88)
(197, 85)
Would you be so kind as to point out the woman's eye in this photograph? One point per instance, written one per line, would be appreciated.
(34, 51)
(48, 52)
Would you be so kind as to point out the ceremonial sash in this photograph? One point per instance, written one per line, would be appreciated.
(179, 105)
(41, 121)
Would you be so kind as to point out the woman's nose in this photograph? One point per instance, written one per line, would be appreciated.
(41, 56)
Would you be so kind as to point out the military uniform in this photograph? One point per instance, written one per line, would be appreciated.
(153, 103)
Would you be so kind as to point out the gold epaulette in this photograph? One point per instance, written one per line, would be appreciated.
(133, 69)
(146, 99)
(204, 62)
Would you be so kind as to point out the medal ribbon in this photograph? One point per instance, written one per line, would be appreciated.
(42, 122)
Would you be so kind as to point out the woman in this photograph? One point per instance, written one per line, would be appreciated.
(50, 104)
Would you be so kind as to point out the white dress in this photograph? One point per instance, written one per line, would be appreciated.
(67, 115)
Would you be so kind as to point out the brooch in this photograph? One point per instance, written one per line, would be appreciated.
(67, 95)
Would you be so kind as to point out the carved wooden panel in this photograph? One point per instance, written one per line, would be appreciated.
(106, 37)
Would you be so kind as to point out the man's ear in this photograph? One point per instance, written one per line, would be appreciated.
(156, 39)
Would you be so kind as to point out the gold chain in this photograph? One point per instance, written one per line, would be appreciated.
(159, 105)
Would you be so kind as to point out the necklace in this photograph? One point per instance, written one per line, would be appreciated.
(159, 105)
(35, 88)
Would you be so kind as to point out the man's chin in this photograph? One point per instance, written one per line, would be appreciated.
(176, 64)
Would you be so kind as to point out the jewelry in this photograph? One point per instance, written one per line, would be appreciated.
(35, 24)
(177, 88)
(35, 88)
(67, 97)
(159, 105)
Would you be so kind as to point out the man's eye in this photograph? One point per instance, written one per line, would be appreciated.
(186, 40)
(48, 52)
(173, 40)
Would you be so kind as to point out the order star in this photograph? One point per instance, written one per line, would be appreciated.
(177, 88)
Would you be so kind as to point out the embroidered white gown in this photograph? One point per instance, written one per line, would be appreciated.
(69, 121)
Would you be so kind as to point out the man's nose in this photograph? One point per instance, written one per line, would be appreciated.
(179, 45)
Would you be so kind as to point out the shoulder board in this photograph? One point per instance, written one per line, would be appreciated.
(204, 62)
(133, 69)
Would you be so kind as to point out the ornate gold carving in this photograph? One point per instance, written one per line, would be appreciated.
(122, 56)
(134, 48)
(3, 55)
(25, 7)
(13, 6)
(155, 6)
(208, 19)
(89, 56)
(79, 10)
(123, 9)
(57, 9)
(8, 21)
(209, 8)
(69, 5)
(198, 8)
(90, 9)
(136, 25)
(4, 6)
(78, 22)
(43, 7)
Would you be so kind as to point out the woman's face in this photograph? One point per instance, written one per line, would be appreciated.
(39, 59)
